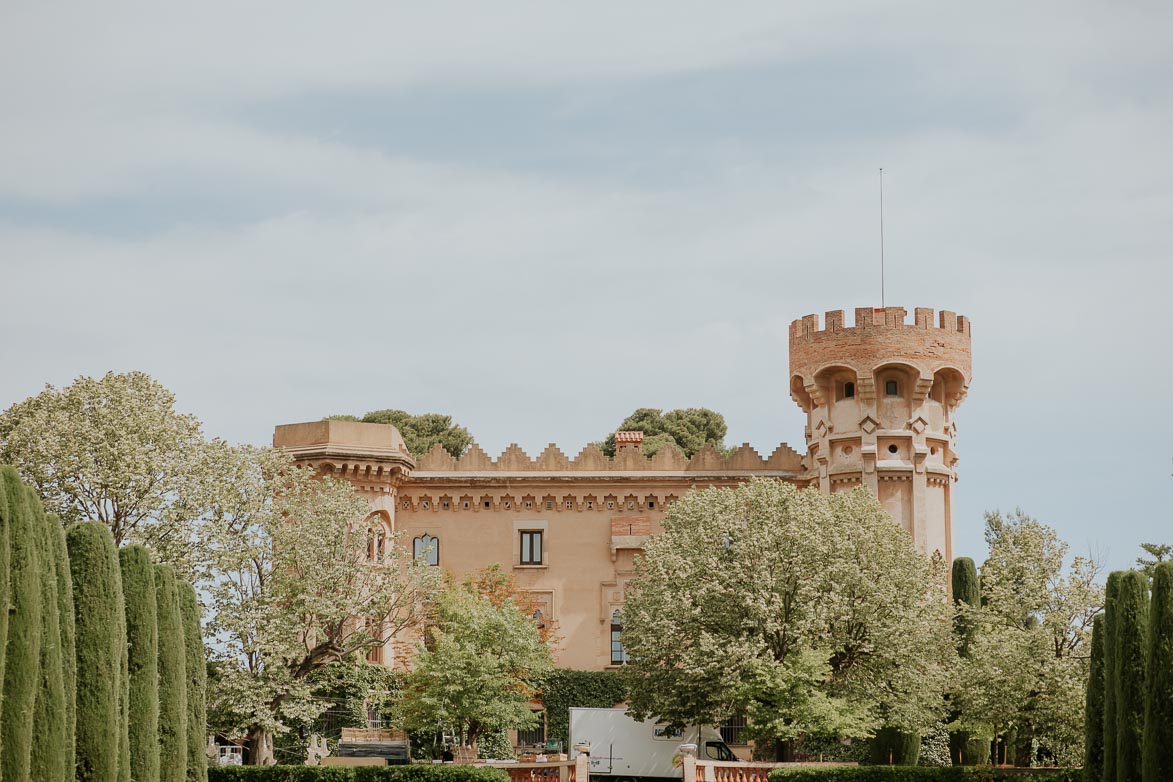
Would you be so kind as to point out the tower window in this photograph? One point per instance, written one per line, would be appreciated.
(891, 388)
(893, 449)
(848, 390)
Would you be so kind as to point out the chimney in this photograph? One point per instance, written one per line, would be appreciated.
(629, 440)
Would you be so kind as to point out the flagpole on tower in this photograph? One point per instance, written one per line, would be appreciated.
(882, 304)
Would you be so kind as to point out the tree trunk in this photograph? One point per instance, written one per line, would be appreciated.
(260, 747)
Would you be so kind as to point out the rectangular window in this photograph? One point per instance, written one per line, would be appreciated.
(733, 731)
(618, 653)
(531, 547)
(535, 736)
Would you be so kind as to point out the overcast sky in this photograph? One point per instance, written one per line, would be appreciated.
(538, 217)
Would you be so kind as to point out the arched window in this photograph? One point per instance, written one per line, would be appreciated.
(618, 653)
(427, 549)
(377, 540)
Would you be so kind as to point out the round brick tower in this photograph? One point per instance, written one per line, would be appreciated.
(879, 398)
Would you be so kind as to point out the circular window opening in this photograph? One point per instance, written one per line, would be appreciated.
(893, 449)
(847, 449)
(933, 450)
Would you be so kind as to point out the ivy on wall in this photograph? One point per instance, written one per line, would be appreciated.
(562, 688)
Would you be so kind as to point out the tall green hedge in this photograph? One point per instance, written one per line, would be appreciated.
(563, 688)
(891, 746)
(142, 642)
(1111, 591)
(922, 774)
(97, 599)
(197, 674)
(68, 635)
(417, 773)
(1132, 604)
(48, 761)
(172, 679)
(966, 749)
(1158, 717)
(23, 658)
(1093, 743)
(6, 523)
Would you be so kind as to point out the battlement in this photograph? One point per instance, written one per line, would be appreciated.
(868, 319)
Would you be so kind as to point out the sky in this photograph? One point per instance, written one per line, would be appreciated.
(538, 216)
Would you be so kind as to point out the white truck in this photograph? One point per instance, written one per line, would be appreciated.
(623, 748)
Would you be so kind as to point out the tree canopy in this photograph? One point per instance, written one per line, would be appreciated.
(688, 429)
(420, 432)
(805, 612)
(475, 671)
(1158, 553)
(292, 576)
(115, 450)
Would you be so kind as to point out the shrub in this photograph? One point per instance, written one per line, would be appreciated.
(142, 642)
(1158, 724)
(23, 658)
(1093, 743)
(494, 745)
(172, 679)
(47, 762)
(419, 773)
(197, 674)
(894, 747)
(922, 774)
(97, 595)
(1132, 611)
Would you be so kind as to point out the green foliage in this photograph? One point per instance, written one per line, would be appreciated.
(68, 635)
(97, 597)
(561, 688)
(1132, 608)
(50, 741)
(688, 429)
(1160, 552)
(892, 747)
(1158, 722)
(418, 773)
(172, 679)
(142, 642)
(477, 670)
(495, 745)
(1093, 763)
(195, 666)
(6, 524)
(966, 594)
(23, 659)
(1111, 592)
(934, 747)
(761, 600)
(921, 774)
(420, 432)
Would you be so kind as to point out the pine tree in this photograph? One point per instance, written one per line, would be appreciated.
(142, 642)
(966, 749)
(1132, 609)
(1111, 590)
(68, 634)
(172, 679)
(197, 672)
(23, 659)
(1093, 745)
(1158, 722)
(48, 759)
(97, 596)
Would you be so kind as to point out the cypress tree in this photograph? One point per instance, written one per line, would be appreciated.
(895, 747)
(5, 524)
(23, 660)
(1132, 610)
(68, 648)
(97, 595)
(1111, 590)
(123, 691)
(1093, 743)
(966, 749)
(48, 761)
(197, 673)
(1158, 715)
(142, 643)
(172, 679)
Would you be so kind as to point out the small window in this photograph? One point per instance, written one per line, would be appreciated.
(893, 449)
(488, 504)
(531, 547)
(848, 390)
(618, 653)
(426, 548)
(651, 504)
(733, 731)
(891, 388)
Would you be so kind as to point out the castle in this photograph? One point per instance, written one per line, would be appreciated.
(879, 397)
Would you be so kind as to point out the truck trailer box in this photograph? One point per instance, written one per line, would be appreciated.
(622, 747)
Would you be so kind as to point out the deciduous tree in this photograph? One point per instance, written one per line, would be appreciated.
(807, 613)
(302, 581)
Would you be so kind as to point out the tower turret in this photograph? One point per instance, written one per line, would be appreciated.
(880, 398)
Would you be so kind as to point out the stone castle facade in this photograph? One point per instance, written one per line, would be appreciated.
(879, 397)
